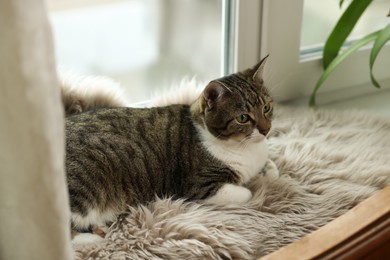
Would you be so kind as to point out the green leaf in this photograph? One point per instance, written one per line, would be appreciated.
(351, 49)
(342, 29)
(380, 41)
(341, 3)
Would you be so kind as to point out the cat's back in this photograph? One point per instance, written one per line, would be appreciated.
(128, 121)
(128, 133)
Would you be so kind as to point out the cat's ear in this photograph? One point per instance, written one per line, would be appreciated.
(259, 69)
(256, 73)
(212, 93)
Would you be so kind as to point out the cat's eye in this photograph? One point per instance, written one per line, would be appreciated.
(242, 119)
(266, 108)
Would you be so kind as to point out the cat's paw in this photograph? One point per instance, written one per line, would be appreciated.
(100, 230)
(270, 169)
(86, 238)
(230, 194)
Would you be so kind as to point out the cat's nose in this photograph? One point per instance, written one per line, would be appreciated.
(264, 131)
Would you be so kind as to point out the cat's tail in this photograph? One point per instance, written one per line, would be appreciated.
(83, 93)
(185, 92)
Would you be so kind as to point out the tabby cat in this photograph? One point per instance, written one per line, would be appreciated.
(205, 151)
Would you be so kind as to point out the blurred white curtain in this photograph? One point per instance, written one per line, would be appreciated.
(34, 214)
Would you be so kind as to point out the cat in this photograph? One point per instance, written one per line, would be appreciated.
(206, 151)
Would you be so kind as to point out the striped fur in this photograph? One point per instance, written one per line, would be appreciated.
(127, 156)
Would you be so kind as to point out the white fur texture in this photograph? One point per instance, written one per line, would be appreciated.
(270, 169)
(82, 93)
(185, 92)
(86, 239)
(230, 194)
(247, 158)
(329, 161)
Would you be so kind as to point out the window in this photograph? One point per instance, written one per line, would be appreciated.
(277, 25)
(319, 18)
(144, 44)
(293, 76)
(149, 44)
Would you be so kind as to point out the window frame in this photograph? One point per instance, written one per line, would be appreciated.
(273, 27)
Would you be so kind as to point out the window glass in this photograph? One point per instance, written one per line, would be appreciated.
(144, 44)
(319, 18)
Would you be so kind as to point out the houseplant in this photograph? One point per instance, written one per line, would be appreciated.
(332, 56)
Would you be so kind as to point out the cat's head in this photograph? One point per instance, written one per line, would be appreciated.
(237, 107)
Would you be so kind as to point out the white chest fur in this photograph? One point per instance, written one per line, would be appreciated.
(246, 158)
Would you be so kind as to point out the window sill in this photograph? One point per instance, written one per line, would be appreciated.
(377, 102)
(365, 98)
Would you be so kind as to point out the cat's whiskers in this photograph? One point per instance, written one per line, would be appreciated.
(243, 144)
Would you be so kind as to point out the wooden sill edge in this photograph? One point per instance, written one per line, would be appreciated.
(369, 220)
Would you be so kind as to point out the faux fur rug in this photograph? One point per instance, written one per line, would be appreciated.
(329, 161)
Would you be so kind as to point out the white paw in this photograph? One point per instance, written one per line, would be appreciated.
(100, 230)
(86, 238)
(270, 169)
(230, 194)
(104, 228)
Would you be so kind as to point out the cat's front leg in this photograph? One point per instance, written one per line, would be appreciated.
(270, 169)
(230, 194)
